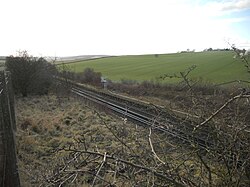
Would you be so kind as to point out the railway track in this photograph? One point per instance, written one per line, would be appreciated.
(177, 129)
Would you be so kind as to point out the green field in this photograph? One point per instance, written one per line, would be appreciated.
(216, 66)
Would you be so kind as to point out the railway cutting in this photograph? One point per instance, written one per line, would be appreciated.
(148, 116)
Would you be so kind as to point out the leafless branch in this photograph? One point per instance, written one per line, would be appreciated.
(152, 148)
(97, 173)
(160, 175)
(242, 95)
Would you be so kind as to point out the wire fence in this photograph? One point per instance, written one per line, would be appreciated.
(9, 175)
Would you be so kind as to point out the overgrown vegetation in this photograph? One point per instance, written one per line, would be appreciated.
(90, 148)
(88, 76)
(30, 75)
(86, 147)
(66, 143)
(48, 129)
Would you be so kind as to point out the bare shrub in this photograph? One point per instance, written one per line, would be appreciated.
(30, 75)
(91, 77)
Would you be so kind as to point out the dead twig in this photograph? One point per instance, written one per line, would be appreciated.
(152, 148)
(97, 173)
(242, 95)
(160, 175)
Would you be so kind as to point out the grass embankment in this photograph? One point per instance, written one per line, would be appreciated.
(215, 67)
(46, 124)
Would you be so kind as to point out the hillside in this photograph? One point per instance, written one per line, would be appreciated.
(216, 66)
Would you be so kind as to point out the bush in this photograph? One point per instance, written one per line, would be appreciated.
(30, 75)
(89, 76)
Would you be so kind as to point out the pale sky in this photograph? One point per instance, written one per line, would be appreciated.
(121, 27)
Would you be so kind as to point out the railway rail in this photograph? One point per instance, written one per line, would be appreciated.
(176, 128)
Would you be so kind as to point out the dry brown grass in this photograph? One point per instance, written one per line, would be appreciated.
(47, 125)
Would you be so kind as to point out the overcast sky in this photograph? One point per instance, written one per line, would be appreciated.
(119, 27)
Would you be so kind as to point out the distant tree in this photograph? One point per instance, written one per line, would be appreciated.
(91, 77)
(30, 75)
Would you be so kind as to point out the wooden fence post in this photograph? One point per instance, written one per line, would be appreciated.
(2, 155)
(11, 96)
(11, 177)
